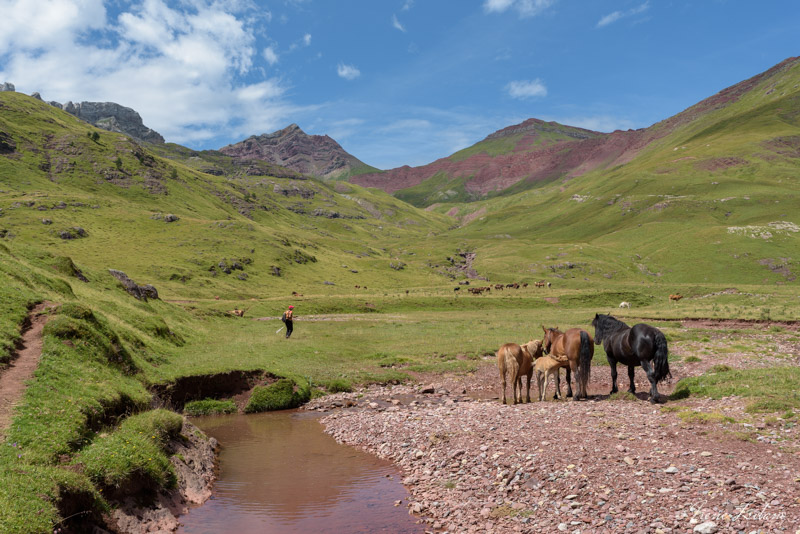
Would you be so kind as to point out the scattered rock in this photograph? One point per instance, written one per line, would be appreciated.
(142, 292)
(709, 527)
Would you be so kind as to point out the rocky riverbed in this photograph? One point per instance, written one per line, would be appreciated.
(472, 464)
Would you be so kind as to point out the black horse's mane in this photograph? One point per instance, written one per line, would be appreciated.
(609, 324)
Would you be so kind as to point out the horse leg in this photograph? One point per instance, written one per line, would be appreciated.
(651, 377)
(569, 379)
(632, 388)
(558, 386)
(503, 375)
(528, 392)
(580, 392)
(613, 364)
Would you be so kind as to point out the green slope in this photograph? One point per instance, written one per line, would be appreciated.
(717, 198)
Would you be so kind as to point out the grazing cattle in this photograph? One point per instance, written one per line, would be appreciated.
(236, 312)
(499, 287)
(525, 284)
(464, 283)
(456, 289)
(676, 297)
(540, 283)
(216, 298)
(624, 304)
(406, 291)
(296, 294)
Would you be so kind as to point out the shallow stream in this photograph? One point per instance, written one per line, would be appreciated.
(280, 473)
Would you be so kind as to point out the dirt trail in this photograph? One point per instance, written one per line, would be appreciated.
(26, 358)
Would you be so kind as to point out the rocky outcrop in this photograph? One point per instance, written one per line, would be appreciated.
(142, 292)
(7, 87)
(315, 155)
(112, 117)
(7, 144)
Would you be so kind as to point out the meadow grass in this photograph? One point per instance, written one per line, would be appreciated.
(772, 389)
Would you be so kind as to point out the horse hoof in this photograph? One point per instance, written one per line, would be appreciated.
(653, 400)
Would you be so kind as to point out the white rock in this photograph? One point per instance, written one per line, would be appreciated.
(709, 527)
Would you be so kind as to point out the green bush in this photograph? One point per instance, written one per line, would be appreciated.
(278, 396)
(209, 407)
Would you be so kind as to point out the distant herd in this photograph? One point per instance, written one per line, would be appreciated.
(641, 345)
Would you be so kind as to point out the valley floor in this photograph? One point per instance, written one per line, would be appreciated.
(474, 465)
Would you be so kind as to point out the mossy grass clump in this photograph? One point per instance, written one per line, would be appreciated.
(719, 368)
(338, 385)
(692, 359)
(209, 407)
(623, 396)
(281, 395)
(134, 452)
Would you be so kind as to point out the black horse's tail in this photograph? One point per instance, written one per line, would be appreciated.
(660, 362)
(585, 364)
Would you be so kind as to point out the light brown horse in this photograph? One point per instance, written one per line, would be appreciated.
(515, 361)
(545, 369)
(575, 349)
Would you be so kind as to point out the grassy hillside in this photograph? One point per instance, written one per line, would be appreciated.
(715, 200)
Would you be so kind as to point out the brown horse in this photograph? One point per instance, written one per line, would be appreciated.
(575, 349)
(516, 361)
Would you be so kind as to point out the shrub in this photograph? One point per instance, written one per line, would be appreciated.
(278, 396)
(209, 407)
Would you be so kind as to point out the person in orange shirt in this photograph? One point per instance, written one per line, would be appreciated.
(288, 315)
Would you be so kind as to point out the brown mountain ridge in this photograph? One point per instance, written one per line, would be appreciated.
(291, 147)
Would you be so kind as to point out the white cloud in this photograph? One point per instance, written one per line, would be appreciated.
(270, 55)
(408, 5)
(525, 8)
(348, 72)
(617, 15)
(179, 66)
(526, 89)
(396, 24)
(307, 39)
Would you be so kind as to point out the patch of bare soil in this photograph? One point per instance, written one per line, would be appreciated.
(23, 364)
(473, 464)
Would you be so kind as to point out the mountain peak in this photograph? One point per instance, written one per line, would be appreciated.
(291, 147)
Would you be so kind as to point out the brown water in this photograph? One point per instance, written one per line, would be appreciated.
(280, 473)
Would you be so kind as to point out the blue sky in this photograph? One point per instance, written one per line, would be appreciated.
(394, 81)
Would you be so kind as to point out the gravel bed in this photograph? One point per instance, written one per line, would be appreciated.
(472, 464)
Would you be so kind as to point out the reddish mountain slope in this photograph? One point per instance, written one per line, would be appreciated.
(536, 151)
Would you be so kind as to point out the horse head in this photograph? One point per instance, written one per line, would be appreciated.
(549, 336)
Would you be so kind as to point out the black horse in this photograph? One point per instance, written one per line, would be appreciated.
(642, 345)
